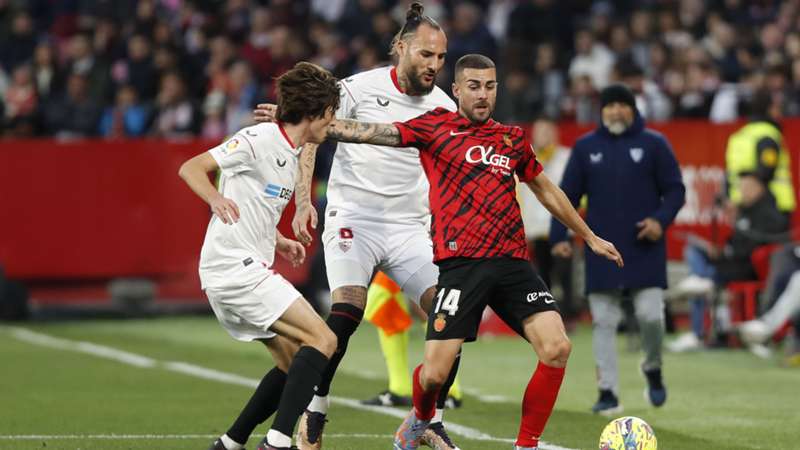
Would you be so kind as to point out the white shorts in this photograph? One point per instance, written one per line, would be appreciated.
(356, 246)
(248, 311)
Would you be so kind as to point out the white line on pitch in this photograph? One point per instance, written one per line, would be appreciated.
(36, 437)
(124, 357)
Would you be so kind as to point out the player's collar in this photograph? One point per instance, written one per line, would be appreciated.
(286, 136)
(393, 74)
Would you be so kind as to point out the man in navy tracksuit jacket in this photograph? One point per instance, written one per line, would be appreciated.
(634, 188)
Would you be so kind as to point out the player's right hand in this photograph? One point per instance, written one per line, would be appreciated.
(304, 215)
(602, 247)
(562, 250)
(265, 112)
(226, 209)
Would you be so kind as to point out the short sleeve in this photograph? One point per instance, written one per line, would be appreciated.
(528, 167)
(418, 131)
(347, 100)
(235, 155)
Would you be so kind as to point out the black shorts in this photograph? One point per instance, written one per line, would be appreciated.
(510, 286)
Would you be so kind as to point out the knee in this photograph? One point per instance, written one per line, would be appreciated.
(610, 320)
(556, 352)
(325, 341)
(434, 377)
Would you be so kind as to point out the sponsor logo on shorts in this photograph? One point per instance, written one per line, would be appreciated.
(345, 239)
(247, 261)
(544, 295)
(439, 323)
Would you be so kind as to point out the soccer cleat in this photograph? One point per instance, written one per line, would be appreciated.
(684, 343)
(754, 332)
(387, 398)
(656, 392)
(218, 445)
(695, 286)
(264, 445)
(408, 435)
(452, 402)
(607, 404)
(435, 437)
(309, 433)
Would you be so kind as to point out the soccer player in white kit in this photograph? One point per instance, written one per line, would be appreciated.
(377, 215)
(259, 166)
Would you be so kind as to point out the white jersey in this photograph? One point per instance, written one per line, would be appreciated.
(259, 168)
(382, 183)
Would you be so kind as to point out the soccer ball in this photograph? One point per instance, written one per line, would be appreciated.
(628, 433)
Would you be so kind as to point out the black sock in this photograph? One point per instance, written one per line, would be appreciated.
(343, 321)
(304, 373)
(451, 378)
(262, 404)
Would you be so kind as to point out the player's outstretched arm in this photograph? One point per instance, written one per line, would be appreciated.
(555, 201)
(195, 173)
(305, 212)
(364, 132)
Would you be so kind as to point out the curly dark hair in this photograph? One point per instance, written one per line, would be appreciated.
(306, 91)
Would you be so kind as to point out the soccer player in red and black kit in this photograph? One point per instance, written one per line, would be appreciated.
(471, 162)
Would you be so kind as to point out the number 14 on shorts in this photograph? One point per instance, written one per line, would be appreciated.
(447, 300)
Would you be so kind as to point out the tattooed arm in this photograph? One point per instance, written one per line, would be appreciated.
(364, 132)
(305, 211)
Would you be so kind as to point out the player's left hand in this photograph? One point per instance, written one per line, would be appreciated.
(291, 250)
(649, 228)
(602, 247)
(265, 112)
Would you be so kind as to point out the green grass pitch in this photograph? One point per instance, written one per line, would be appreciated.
(53, 397)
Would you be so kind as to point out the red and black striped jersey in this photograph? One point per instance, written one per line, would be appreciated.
(470, 168)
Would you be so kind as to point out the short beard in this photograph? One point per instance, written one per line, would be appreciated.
(616, 127)
(474, 119)
(415, 86)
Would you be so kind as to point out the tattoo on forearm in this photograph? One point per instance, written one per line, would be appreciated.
(362, 132)
(302, 188)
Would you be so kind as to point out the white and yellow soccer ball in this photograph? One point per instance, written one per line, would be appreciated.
(628, 433)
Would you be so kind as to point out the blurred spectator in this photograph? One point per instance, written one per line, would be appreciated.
(76, 113)
(214, 109)
(137, 70)
(242, 94)
(553, 156)
(81, 61)
(18, 46)
(591, 58)
(468, 34)
(127, 118)
(176, 115)
(21, 103)
(46, 73)
(518, 102)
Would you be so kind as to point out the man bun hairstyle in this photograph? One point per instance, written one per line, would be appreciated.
(414, 18)
(306, 90)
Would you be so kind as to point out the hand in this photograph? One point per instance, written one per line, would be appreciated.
(225, 209)
(602, 247)
(562, 250)
(265, 112)
(290, 250)
(649, 228)
(304, 214)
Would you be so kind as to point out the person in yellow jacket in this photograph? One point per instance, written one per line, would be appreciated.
(389, 311)
(758, 147)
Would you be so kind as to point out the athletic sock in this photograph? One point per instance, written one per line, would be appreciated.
(451, 378)
(278, 439)
(319, 404)
(304, 373)
(395, 351)
(343, 321)
(424, 402)
(231, 444)
(262, 404)
(537, 404)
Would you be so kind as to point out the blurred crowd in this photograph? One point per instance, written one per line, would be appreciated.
(179, 68)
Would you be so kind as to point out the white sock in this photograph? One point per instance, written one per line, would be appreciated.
(278, 439)
(438, 416)
(229, 443)
(319, 404)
